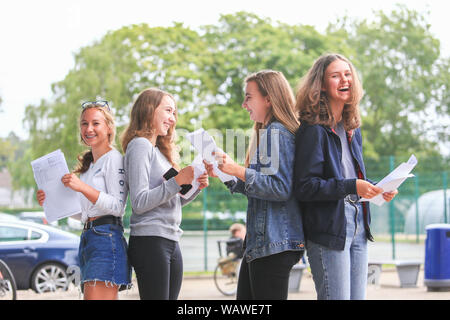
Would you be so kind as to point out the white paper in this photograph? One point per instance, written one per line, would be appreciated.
(60, 201)
(199, 169)
(205, 145)
(393, 180)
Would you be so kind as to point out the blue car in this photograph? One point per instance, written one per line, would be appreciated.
(38, 255)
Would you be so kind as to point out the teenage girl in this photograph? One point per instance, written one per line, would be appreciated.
(330, 178)
(150, 153)
(274, 240)
(103, 194)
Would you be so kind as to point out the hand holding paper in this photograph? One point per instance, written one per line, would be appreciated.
(60, 201)
(365, 189)
(199, 169)
(393, 180)
(205, 145)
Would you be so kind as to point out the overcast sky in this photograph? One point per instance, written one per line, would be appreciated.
(39, 38)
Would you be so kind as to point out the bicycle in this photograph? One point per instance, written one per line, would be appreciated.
(227, 271)
(8, 287)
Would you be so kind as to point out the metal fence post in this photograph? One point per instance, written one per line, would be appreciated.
(391, 211)
(205, 228)
(444, 182)
(416, 196)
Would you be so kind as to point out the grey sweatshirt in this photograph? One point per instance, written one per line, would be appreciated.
(156, 204)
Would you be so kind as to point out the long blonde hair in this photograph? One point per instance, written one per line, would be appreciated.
(273, 84)
(86, 158)
(140, 125)
(312, 103)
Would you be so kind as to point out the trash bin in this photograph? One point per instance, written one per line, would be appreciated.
(437, 257)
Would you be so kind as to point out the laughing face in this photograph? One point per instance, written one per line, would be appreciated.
(338, 82)
(255, 103)
(94, 129)
(164, 116)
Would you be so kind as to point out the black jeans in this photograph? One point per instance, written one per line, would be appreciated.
(158, 265)
(267, 278)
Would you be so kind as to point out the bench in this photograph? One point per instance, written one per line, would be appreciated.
(408, 272)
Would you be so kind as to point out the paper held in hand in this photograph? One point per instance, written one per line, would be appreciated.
(60, 201)
(204, 144)
(393, 180)
(199, 169)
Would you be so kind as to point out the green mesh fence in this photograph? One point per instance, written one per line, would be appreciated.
(422, 200)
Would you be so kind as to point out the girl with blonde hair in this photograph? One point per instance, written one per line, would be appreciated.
(155, 183)
(103, 193)
(274, 240)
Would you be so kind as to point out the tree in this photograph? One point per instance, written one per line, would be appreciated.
(404, 76)
(244, 43)
(14, 155)
(117, 68)
(7, 149)
(405, 82)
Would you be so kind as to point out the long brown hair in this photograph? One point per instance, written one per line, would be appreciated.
(86, 158)
(140, 125)
(312, 103)
(273, 84)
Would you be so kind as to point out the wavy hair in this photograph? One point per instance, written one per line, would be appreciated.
(312, 103)
(140, 125)
(273, 84)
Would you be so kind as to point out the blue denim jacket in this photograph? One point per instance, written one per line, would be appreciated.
(274, 219)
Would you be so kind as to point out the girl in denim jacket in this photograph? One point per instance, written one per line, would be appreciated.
(274, 240)
(330, 177)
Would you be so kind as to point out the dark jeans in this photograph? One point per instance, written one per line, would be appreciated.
(158, 265)
(267, 278)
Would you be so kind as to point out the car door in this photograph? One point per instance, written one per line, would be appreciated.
(18, 252)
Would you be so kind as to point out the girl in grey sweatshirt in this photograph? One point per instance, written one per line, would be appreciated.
(156, 203)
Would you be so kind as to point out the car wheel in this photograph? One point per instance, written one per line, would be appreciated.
(49, 277)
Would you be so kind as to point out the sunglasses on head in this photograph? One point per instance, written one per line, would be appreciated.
(98, 103)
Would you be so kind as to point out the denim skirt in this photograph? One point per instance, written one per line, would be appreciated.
(103, 256)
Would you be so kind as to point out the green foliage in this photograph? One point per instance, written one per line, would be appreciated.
(7, 150)
(15, 156)
(406, 80)
(244, 43)
(399, 60)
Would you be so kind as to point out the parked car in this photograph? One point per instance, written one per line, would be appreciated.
(36, 216)
(38, 255)
(8, 217)
(74, 224)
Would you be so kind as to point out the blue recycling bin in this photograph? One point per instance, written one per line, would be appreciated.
(437, 257)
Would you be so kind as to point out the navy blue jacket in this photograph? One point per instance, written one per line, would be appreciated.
(320, 187)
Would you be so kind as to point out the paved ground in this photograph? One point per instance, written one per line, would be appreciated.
(202, 288)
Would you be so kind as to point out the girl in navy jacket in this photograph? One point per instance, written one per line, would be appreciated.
(330, 178)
